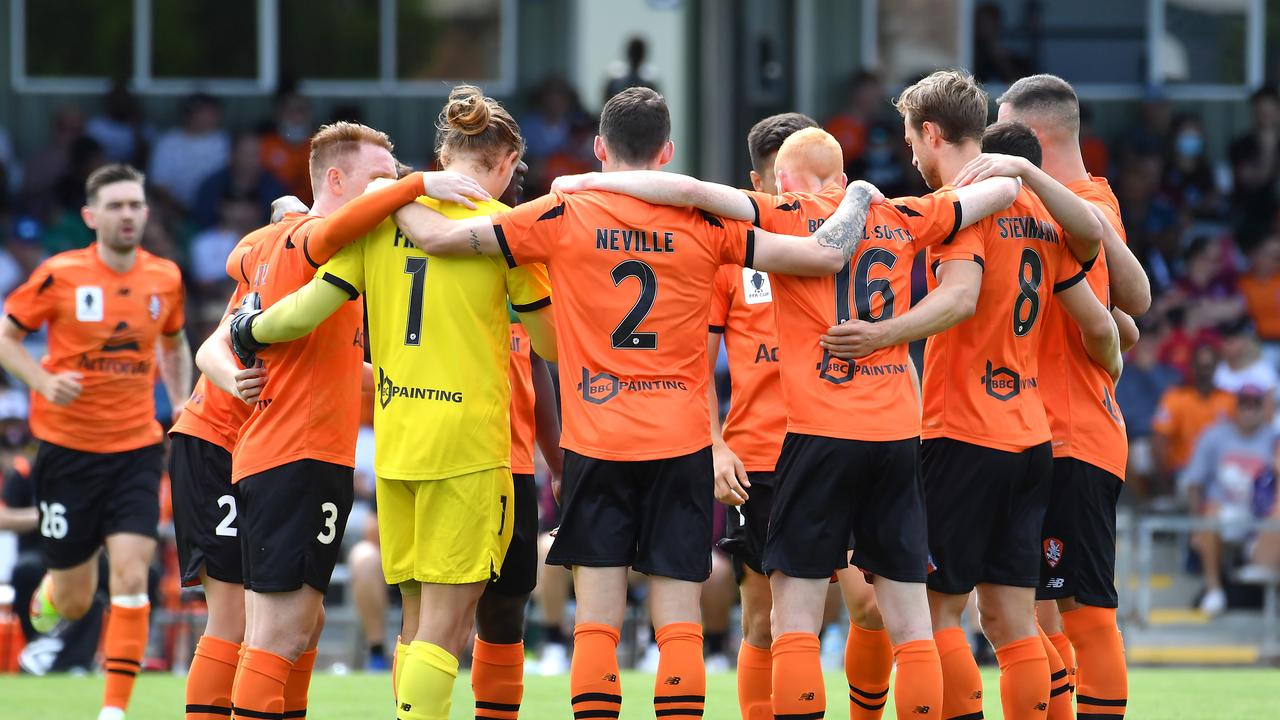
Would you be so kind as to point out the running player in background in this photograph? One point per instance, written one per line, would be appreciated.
(440, 334)
(293, 458)
(986, 453)
(638, 471)
(1090, 448)
(838, 478)
(745, 452)
(205, 513)
(115, 316)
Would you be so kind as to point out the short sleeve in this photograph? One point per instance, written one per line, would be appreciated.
(1068, 270)
(178, 313)
(527, 233)
(933, 219)
(238, 260)
(966, 245)
(345, 269)
(733, 240)
(721, 292)
(33, 303)
(528, 287)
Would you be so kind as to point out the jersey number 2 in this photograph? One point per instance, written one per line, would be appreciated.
(416, 269)
(624, 336)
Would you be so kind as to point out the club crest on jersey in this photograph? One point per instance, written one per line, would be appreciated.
(89, 303)
(755, 287)
(153, 307)
(1052, 551)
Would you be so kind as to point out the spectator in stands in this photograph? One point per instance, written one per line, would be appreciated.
(1242, 361)
(121, 129)
(66, 230)
(1186, 410)
(1261, 290)
(634, 73)
(238, 215)
(12, 272)
(1255, 169)
(993, 60)
(191, 152)
(1138, 393)
(1150, 221)
(552, 131)
(1097, 157)
(243, 176)
(46, 166)
(1219, 482)
(286, 144)
(1208, 291)
(872, 142)
(1188, 173)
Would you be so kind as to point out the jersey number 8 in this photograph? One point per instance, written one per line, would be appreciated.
(1027, 307)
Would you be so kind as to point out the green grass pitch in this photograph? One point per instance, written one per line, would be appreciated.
(1157, 694)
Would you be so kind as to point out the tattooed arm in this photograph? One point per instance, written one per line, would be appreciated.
(436, 234)
(828, 249)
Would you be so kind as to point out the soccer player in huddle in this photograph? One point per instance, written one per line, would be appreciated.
(632, 307)
(986, 453)
(439, 332)
(114, 314)
(1077, 575)
(840, 476)
(293, 457)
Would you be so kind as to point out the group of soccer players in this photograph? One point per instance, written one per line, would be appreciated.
(999, 472)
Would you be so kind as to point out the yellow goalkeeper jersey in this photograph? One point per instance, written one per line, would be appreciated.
(439, 340)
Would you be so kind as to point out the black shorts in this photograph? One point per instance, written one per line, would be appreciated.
(985, 508)
(520, 567)
(84, 497)
(205, 510)
(652, 515)
(292, 519)
(829, 488)
(748, 525)
(1078, 547)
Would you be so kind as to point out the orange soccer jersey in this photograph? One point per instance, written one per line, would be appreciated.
(523, 424)
(1079, 396)
(982, 376)
(872, 398)
(104, 325)
(742, 309)
(310, 405)
(632, 284)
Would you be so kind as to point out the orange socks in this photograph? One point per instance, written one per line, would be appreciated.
(1068, 655)
(497, 679)
(260, 685)
(1102, 680)
(868, 661)
(680, 689)
(798, 687)
(296, 687)
(593, 673)
(1059, 682)
(755, 682)
(1024, 679)
(126, 640)
(917, 691)
(962, 683)
(209, 679)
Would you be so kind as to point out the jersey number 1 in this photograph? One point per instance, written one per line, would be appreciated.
(416, 268)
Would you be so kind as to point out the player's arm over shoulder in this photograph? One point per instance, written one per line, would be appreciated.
(436, 234)
(1097, 327)
(828, 249)
(664, 188)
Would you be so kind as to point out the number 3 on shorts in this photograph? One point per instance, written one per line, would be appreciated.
(330, 530)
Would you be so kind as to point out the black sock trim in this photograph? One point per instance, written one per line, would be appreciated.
(864, 706)
(587, 714)
(502, 707)
(868, 695)
(596, 697)
(1059, 690)
(697, 712)
(1100, 701)
(1099, 716)
(679, 699)
(294, 714)
(970, 716)
(118, 671)
(256, 714)
(123, 661)
(210, 709)
(802, 716)
(1055, 677)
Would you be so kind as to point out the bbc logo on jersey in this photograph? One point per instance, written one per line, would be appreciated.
(755, 287)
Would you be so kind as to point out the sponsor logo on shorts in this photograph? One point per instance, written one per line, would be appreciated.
(1056, 583)
(1052, 551)
(388, 391)
(600, 388)
(1004, 384)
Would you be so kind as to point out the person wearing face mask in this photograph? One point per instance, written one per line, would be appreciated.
(1188, 175)
(286, 147)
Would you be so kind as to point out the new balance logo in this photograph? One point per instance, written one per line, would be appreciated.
(921, 710)
(406, 707)
(1041, 707)
(1056, 583)
(807, 697)
(976, 696)
(609, 677)
(673, 680)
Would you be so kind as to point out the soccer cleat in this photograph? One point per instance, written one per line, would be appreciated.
(44, 617)
(39, 655)
(111, 713)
